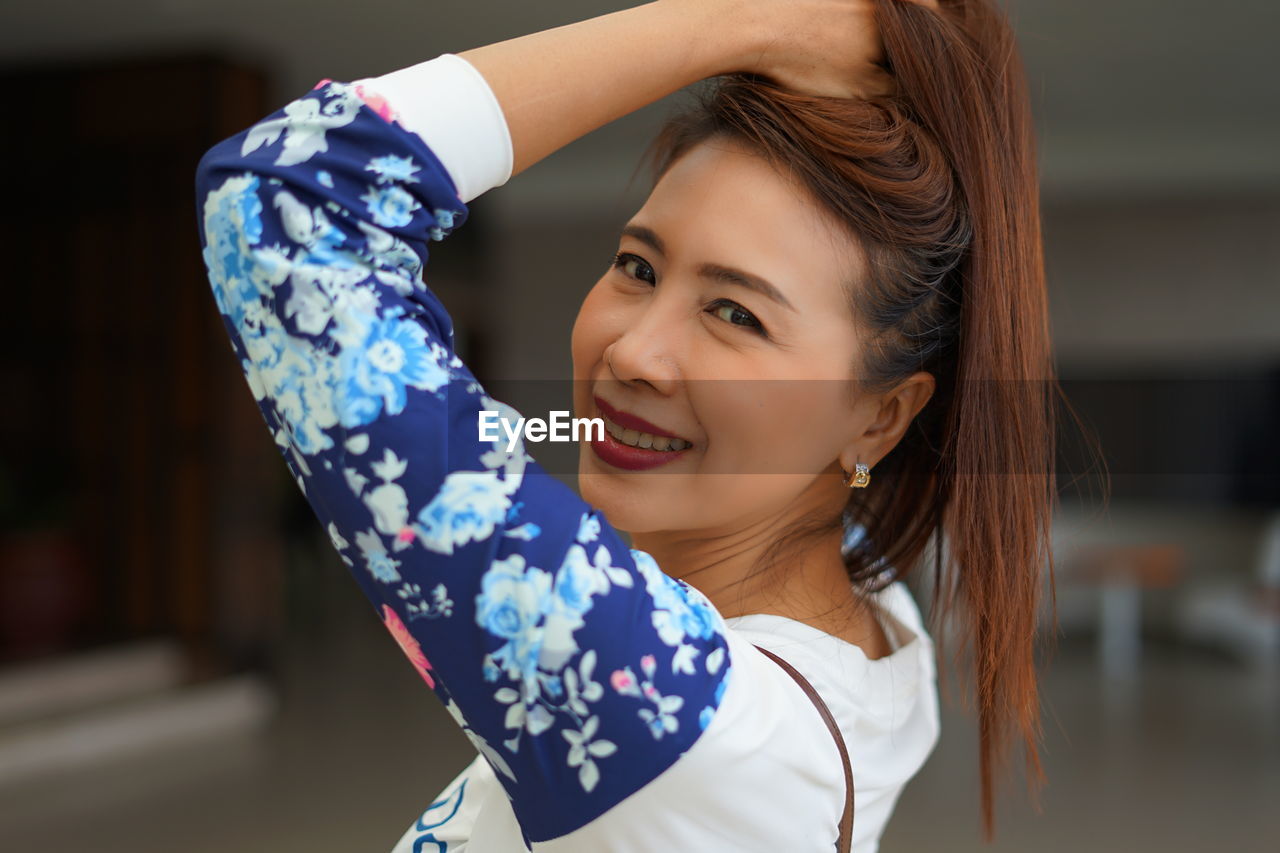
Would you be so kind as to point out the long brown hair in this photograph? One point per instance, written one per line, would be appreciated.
(938, 184)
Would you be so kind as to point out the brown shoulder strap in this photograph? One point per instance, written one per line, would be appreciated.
(846, 820)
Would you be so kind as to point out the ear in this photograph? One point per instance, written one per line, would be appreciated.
(888, 416)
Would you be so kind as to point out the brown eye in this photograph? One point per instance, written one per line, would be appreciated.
(634, 267)
(735, 315)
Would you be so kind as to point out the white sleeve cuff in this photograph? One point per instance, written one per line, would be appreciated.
(450, 105)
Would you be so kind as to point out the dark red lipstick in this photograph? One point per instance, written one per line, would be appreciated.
(619, 455)
(626, 420)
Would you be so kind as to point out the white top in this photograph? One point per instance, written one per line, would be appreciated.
(765, 775)
(767, 741)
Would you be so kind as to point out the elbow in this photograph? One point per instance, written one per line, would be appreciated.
(230, 221)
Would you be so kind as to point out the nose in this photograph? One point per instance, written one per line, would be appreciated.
(649, 351)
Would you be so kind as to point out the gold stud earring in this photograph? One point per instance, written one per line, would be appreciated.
(860, 477)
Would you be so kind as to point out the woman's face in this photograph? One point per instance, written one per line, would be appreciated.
(759, 384)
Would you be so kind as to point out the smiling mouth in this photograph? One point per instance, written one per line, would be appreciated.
(643, 440)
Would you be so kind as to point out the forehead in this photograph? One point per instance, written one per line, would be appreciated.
(722, 203)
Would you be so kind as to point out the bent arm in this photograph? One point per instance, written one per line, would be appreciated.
(560, 84)
(563, 83)
(578, 669)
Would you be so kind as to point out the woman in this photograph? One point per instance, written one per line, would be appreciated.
(837, 270)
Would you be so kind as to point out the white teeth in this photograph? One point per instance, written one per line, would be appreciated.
(635, 438)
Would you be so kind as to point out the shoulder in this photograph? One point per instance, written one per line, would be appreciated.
(840, 669)
(887, 708)
(752, 764)
(765, 753)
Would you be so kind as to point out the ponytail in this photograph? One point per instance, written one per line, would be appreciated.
(937, 184)
(962, 79)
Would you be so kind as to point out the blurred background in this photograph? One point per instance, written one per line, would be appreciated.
(184, 663)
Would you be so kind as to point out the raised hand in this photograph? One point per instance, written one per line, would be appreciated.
(818, 47)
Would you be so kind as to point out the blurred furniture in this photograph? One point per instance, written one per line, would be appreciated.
(1240, 614)
(1121, 572)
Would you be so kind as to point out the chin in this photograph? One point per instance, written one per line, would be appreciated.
(628, 510)
(597, 490)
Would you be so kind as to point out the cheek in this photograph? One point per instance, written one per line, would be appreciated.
(599, 323)
(592, 332)
(772, 426)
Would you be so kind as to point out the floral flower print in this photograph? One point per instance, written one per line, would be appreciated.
(661, 717)
(680, 611)
(316, 228)
(376, 558)
(390, 207)
(304, 124)
(393, 356)
(391, 169)
(408, 644)
(512, 602)
(583, 750)
(467, 508)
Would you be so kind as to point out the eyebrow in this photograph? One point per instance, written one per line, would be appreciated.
(715, 272)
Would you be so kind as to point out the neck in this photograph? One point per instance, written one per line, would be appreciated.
(808, 582)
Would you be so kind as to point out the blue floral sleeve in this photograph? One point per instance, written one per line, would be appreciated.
(577, 668)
